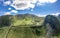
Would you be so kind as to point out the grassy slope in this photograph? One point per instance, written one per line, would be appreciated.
(27, 20)
(19, 29)
(3, 32)
(23, 32)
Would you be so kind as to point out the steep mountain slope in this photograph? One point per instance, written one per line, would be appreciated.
(29, 26)
(21, 26)
(54, 24)
(59, 16)
(20, 19)
(5, 20)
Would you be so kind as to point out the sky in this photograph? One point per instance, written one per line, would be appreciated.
(37, 7)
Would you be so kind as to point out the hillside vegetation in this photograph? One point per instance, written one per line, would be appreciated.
(29, 26)
(21, 19)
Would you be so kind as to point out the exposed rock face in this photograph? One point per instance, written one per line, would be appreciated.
(59, 16)
(50, 19)
(54, 22)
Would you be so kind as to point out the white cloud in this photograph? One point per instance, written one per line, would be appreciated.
(32, 10)
(56, 14)
(27, 4)
(47, 1)
(7, 13)
(7, 3)
(23, 4)
(9, 8)
(14, 11)
(43, 2)
(41, 15)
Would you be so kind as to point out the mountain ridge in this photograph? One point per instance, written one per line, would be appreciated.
(22, 19)
(37, 27)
